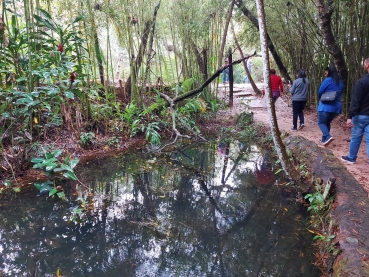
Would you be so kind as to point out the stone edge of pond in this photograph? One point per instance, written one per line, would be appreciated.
(350, 211)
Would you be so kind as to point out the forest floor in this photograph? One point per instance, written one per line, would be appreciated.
(244, 94)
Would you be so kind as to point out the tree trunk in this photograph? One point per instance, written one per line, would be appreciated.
(269, 44)
(136, 64)
(150, 52)
(253, 85)
(325, 15)
(225, 31)
(200, 60)
(287, 166)
(230, 78)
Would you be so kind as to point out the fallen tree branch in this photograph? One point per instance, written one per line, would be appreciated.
(175, 100)
(189, 129)
(178, 135)
(172, 102)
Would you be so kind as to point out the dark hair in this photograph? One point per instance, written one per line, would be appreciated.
(301, 74)
(272, 71)
(332, 72)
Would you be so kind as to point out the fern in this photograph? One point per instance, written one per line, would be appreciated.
(152, 133)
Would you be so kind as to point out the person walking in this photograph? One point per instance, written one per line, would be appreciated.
(328, 111)
(225, 72)
(276, 84)
(300, 93)
(358, 116)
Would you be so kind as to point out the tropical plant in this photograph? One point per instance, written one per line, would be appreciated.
(87, 139)
(113, 142)
(56, 170)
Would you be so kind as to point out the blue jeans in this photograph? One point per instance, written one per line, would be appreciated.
(361, 126)
(324, 123)
(246, 79)
(225, 75)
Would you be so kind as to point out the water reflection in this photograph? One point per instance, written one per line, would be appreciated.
(194, 212)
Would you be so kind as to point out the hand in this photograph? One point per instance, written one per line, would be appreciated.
(349, 123)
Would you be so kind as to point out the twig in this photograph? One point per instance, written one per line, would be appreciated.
(189, 129)
(11, 168)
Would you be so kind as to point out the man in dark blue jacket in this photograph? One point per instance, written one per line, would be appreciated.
(358, 116)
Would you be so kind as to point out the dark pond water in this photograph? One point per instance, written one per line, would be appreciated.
(207, 210)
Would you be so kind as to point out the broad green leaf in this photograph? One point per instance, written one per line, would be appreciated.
(50, 166)
(33, 103)
(78, 93)
(54, 72)
(67, 158)
(43, 185)
(70, 175)
(57, 152)
(69, 94)
(49, 161)
(21, 79)
(61, 194)
(73, 163)
(14, 26)
(53, 191)
(45, 22)
(23, 101)
(45, 13)
(38, 165)
(37, 160)
(66, 167)
(78, 18)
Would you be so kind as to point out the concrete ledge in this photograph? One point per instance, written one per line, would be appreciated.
(351, 208)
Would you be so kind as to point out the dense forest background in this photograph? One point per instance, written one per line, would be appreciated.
(94, 67)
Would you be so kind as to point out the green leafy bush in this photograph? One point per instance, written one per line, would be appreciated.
(87, 139)
(56, 169)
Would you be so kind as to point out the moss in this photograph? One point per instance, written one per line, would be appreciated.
(340, 266)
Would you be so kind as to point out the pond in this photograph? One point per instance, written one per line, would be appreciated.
(215, 209)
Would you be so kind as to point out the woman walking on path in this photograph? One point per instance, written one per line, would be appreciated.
(300, 93)
(276, 84)
(328, 111)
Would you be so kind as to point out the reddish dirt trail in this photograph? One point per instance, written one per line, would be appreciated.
(339, 146)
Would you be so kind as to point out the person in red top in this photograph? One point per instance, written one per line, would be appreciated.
(276, 84)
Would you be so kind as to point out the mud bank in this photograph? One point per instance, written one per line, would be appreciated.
(350, 212)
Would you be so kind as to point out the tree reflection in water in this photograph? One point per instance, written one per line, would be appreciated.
(194, 212)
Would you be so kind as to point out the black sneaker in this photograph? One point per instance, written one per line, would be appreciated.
(347, 160)
(301, 126)
(293, 129)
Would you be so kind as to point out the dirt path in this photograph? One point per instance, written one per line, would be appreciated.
(339, 146)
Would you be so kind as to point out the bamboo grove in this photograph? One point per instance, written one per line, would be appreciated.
(90, 66)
